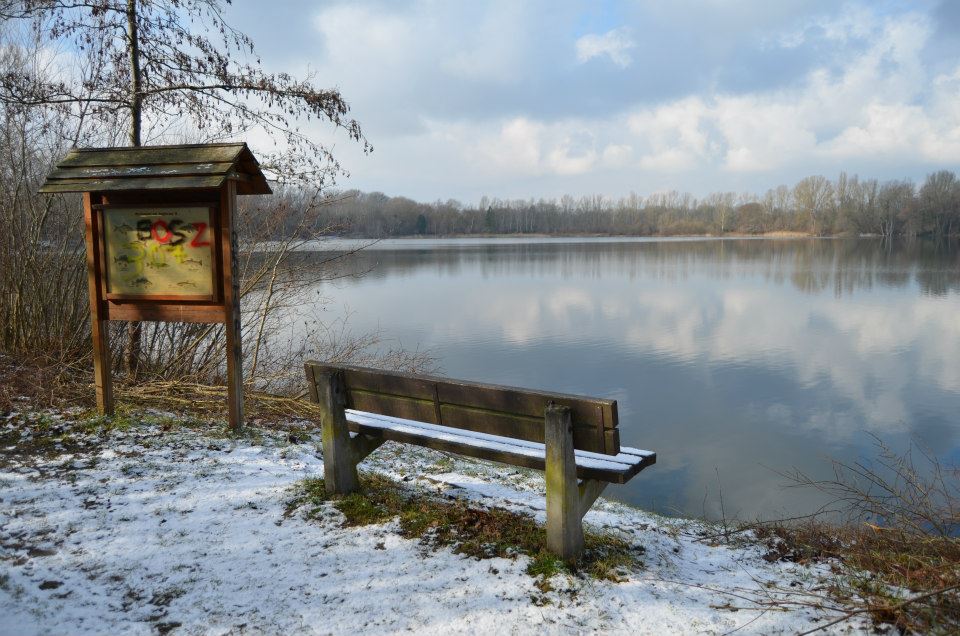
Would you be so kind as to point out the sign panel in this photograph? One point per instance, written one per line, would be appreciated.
(159, 252)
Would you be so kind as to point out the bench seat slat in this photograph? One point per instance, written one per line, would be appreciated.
(621, 458)
(627, 456)
(635, 452)
(610, 468)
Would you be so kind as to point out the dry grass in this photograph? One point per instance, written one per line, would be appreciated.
(468, 529)
(44, 383)
(907, 581)
(897, 556)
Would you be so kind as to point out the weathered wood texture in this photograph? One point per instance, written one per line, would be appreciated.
(485, 408)
(231, 304)
(339, 465)
(412, 409)
(564, 527)
(590, 490)
(165, 312)
(161, 170)
(102, 376)
(193, 167)
(162, 176)
(616, 469)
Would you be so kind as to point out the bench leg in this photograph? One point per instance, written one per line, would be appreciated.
(339, 461)
(564, 528)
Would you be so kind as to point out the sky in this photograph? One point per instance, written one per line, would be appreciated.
(543, 98)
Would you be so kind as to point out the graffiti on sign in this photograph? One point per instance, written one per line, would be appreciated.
(159, 251)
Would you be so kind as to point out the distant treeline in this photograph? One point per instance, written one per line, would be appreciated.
(816, 205)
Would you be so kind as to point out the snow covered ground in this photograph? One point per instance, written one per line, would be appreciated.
(150, 531)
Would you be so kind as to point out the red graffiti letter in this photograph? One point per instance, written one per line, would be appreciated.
(156, 235)
(196, 242)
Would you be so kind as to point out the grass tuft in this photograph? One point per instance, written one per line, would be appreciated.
(481, 533)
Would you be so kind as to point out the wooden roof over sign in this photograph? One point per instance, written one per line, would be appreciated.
(194, 166)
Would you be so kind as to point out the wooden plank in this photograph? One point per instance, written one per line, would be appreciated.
(387, 382)
(165, 312)
(156, 183)
(121, 172)
(611, 419)
(531, 403)
(231, 304)
(493, 397)
(493, 422)
(487, 408)
(564, 527)
(637, 452)
(611, 441)
(420, 410)
(516, 426)
(428, 440)
(103, 379)
(178, 298)
(589, 490)
(339, 467)
(587, 457)
(147, 155)
(171, 198)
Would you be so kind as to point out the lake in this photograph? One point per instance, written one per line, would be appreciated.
(736, 360)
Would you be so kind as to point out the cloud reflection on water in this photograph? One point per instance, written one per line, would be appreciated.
(726, 354)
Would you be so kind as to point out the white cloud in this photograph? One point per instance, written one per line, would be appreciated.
(672, 135)
(870, 107)
(616, 155)
(523, 147)
(477, 101)
(875, 105)
(615, 44)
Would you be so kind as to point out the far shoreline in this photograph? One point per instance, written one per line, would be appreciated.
(775, 234)
(533, 235)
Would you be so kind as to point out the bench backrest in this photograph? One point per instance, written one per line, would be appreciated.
(485, 408)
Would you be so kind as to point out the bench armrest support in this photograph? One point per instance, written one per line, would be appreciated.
(339, 467)
(589, 490)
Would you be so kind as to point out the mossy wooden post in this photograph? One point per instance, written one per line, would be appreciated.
(339, 466)
(564, 529)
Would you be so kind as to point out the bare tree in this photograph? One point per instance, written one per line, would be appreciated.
(814, 196)
(43, 303)
(168, 64)
(939, 203)
(893, 204)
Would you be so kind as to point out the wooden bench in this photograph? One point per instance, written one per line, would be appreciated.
(573, 439)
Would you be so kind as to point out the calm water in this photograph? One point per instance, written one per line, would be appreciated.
(733, 359)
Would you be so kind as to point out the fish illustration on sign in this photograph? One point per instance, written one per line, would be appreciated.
(159, 252)
(140, 282)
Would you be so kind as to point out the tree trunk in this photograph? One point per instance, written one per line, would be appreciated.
(131, 354)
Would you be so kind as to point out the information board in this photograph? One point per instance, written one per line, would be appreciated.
(160, 252)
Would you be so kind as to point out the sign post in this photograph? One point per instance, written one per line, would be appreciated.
(161, 242)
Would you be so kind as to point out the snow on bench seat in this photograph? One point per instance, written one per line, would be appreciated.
(610, 468)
